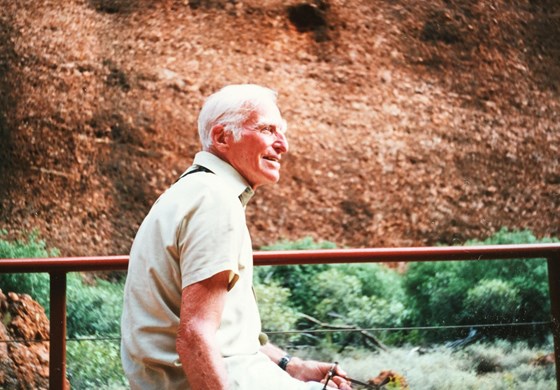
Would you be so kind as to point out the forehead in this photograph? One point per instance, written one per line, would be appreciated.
(269, 114)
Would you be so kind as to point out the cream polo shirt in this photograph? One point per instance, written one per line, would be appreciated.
(195, 230)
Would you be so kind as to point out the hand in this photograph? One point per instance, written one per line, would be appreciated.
(311, 370)
(336, 376)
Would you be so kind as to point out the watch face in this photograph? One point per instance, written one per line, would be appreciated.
(284, 362)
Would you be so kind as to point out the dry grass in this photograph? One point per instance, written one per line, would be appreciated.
(499, 365)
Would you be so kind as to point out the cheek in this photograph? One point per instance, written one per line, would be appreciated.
(251, 161)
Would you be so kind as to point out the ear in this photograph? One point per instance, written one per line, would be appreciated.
(220, 137)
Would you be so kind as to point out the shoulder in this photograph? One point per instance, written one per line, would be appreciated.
(199, 190)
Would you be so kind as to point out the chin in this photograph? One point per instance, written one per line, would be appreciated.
(269, 180)
(274, 179)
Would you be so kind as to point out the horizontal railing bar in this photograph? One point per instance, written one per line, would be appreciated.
(413, 254)
(65, 264)
(292, 257)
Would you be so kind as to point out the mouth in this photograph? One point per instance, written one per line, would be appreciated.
(272, 158)
(272, 162)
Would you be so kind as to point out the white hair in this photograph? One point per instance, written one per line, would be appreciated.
(231, 107)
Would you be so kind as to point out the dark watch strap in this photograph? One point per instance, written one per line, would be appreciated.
(283, 363)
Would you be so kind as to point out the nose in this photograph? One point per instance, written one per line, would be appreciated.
(281, 143)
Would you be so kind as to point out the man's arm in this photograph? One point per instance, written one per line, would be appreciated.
(202, 305)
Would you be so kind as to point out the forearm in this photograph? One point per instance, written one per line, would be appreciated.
(202, 363)
(273, 352)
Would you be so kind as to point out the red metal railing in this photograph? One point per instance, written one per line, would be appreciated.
(59, 267)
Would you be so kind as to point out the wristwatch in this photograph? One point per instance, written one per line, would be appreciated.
(283, 363)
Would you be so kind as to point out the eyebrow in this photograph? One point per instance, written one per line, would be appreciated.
(282, 128)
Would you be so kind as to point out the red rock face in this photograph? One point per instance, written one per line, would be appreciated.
(24, 357)
(411, 123)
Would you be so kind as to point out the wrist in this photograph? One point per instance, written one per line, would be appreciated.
(295, 367)
(283, 362)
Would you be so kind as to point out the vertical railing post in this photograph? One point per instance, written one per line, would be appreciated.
(554, 288)
(57, 347)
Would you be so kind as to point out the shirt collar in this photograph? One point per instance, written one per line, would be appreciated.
(226, 172)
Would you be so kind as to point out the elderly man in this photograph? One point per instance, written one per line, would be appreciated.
(190, 318)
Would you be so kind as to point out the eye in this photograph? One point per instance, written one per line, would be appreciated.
(268, 130)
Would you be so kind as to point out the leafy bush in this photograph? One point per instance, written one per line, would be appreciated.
(463, 292)
(495, 300)
(340, 291)
(333, 292)
(34, 284)
(276, 313)
(294, 277)
(364, 295)
(345, 296)
(30, 247)
(95, 364)
(93, 309)
(376, 279)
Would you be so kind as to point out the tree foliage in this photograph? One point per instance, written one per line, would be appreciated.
(364, 295)
(35, 284)
(480, 292)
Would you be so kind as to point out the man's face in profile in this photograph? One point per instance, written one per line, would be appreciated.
(257, 154)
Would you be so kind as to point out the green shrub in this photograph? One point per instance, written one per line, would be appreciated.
(344, 297)
(344, 290)
(363, 295)
(93, 309)
(294, 277)
(493, 301)
(450, 293)
(332, 293)
(504, 236)
(30, 247)
(34, 284)
(276, 313)
(95, 364)
(376, 279)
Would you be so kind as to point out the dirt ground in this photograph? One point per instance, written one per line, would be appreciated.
(411, 123)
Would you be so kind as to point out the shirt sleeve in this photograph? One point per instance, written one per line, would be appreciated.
(210, 238)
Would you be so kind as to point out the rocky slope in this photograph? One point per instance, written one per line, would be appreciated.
(24, 357)
(411, 123)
